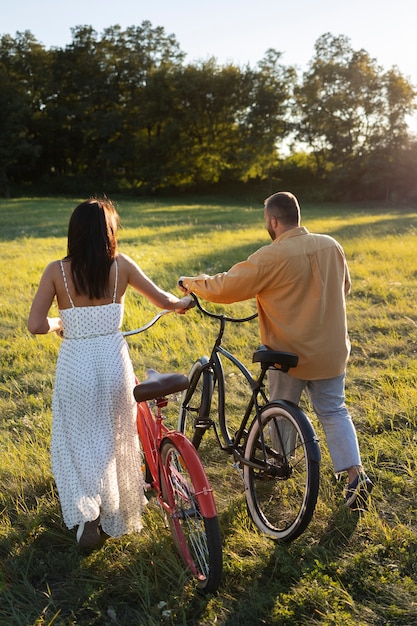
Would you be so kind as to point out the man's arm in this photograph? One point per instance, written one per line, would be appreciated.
(242, 282)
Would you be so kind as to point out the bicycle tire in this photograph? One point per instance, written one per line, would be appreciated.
(282, 496)
(194, 414)
(196, 536)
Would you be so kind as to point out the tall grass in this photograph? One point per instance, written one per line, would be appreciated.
(346, 568)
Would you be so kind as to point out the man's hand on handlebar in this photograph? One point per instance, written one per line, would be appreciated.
(181, 285)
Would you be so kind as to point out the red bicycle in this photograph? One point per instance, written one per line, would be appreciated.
(174, 470)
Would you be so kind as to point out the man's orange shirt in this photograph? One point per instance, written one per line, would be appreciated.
(299, 281)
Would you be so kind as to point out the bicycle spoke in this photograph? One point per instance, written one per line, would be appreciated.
(197, 538)
(282, 491)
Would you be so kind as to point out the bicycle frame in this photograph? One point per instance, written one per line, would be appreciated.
(152, 430)
(214, 364)
(151, 433)
(256, 385)
(174, 471)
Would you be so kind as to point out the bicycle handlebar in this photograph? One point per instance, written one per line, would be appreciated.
(218, 316)
(153, 321)
(221, 316)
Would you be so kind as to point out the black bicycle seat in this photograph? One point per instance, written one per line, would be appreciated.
(275, 358)
(159, 385)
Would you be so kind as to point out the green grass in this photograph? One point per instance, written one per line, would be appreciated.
(346, 568)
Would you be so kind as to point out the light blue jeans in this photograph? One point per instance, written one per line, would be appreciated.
(327, 398)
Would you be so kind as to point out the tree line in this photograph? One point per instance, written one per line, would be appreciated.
(123, 112)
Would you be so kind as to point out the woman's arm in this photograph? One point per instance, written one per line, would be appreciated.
(144, 285)
(38, 322)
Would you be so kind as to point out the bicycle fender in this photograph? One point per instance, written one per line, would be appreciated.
(200, 480)
(303, 418)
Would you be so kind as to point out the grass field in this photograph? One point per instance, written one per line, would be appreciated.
(347, 568)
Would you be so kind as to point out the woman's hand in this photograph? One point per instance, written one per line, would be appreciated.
(184, 304)
(55, 326)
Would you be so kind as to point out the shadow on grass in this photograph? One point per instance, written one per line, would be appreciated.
(137, 579)
(340, 529)
(272, 571)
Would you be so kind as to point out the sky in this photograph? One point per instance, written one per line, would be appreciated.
(239, 31)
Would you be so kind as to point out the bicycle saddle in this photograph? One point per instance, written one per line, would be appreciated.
(159, 385)
(275, 358)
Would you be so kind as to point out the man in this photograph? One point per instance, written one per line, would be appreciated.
(300, 282)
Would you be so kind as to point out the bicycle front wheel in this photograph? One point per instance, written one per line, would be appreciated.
(197, 536)
(282, 487)
(194, 416)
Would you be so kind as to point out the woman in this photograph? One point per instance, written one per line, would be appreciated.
(95, 455)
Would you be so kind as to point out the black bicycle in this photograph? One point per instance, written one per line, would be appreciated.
(275, 445)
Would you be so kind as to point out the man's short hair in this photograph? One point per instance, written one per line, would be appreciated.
(284, 207)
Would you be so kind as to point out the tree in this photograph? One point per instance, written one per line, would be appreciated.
(265, 121)
(22, 64)
(98, 95)
(207, 99)
(349, 111)
(222, 123)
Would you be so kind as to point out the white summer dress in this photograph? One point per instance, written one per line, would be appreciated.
(95, 451)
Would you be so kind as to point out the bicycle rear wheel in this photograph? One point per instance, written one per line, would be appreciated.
(197, 536)
(194, 415)
(282, 493)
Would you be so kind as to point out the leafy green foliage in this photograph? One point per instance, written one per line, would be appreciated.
(122, 111)
(352, 116)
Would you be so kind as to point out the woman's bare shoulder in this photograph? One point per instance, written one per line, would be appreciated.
(124, 261)
(53, 268)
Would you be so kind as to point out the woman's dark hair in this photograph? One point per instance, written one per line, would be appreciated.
(92, 246)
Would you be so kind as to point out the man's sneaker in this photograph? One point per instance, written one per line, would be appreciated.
(357, 491)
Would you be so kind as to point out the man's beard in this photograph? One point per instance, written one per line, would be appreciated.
(271, 233)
